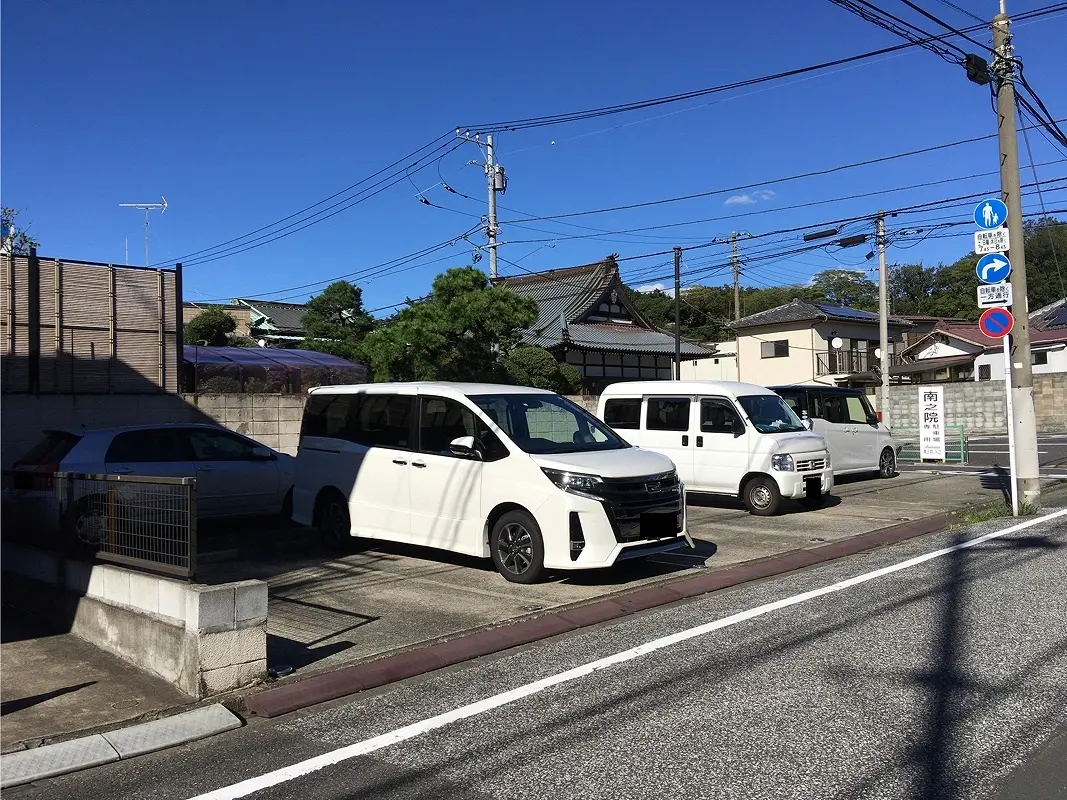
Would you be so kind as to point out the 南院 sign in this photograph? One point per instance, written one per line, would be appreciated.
(997, 294)
(931, 423)
(994, 241)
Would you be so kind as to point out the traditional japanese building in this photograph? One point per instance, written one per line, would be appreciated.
(587, 320)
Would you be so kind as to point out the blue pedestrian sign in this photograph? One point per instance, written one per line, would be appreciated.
(993, 268)
(989, 214)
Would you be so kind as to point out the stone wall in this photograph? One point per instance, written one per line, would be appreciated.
(273, 419)
(980, 406)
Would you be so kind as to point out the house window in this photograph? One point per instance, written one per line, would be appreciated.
(984, 373)
(1040, 357)
(776, 349)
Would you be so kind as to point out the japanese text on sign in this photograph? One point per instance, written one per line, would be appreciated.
(994, 241)
(997, 294)
(931, 423)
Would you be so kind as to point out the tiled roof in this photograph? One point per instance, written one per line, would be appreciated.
(285, 317)
(803, 310)
(970, 332)
(1050, 317)
(621, 338)
(565, 295)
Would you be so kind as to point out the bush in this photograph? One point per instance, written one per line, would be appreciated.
(536, 367)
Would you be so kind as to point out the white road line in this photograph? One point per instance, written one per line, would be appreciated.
(302, 768)
(1003, 452)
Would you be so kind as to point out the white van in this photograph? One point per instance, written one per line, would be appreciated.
(858, 441)
(520, 475)
(724, 437)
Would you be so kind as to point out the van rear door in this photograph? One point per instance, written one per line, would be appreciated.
(669, 427)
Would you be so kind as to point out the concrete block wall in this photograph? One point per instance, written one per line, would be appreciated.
(203, 639)
(273, 419)
(980, 406)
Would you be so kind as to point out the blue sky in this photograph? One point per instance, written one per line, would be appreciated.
(242, 113)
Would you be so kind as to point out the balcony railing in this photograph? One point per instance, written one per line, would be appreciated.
(839, 362)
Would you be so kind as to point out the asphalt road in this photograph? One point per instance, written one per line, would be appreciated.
(993, 451)
(924, 676)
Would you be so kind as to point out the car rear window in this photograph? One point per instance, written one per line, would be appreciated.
(52, 449)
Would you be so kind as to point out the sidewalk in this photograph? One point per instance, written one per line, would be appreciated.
(55, 684)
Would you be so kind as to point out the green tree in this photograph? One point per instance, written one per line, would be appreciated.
(534, 366)
(911, 287)
(336, 323)
(462, 331)
(212, 326)
(21, 241)
(846, 287)
(1045, 241)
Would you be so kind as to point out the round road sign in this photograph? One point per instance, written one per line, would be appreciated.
(996, 322)
(990, 213)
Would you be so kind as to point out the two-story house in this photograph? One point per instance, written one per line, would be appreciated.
(809, 342)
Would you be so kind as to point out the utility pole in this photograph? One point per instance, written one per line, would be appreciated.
(883, 315)
(1024, 420)
(491, 229)
(737, 276)
(497, 182)
(677, 313)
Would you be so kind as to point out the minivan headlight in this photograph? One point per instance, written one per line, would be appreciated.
(576, 482)
(782, 462)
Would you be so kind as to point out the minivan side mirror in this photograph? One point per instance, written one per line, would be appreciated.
(263, 454)
(463, 447)
(872, 419)
(738, 427)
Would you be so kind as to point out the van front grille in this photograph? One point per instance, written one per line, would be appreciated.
(811, 465)
(649, 507)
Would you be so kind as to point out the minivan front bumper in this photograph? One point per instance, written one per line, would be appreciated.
(603, 530)
(794, 485)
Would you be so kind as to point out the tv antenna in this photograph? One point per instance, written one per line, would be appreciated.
(148, 208)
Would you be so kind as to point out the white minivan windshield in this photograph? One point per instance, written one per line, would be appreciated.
(545, 423)
(770, 414)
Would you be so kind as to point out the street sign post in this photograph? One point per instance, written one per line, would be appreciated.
(990, 213)
(996, 322)
(993, 268)
(931, 423)
(994, 241)
(999, 294)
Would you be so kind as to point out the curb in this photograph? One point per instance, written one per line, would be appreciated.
(304, 692)
(37, 763)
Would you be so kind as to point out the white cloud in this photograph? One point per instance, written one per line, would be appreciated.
(653, 287)
(749, 198)
(740, 200)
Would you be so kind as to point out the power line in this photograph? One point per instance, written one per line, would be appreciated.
(963, 11)
(775, 181)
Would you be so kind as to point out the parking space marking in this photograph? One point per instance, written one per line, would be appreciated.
(285, 774)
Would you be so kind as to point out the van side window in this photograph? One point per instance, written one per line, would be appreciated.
(328, 415)
(623, 414)
(385, 421)
(835, 409)
(667, 414)
(717, 415)
(441, 420)
(857, 409)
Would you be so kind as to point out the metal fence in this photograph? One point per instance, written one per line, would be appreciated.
(143, 522)
(907, 438)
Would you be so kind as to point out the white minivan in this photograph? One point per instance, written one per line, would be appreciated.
(858, 441)
(519, 475)
(724, 437)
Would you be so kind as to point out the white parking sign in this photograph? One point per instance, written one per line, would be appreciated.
(997, 294)
(994, 241)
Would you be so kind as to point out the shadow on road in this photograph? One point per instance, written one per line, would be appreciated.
(11, 706)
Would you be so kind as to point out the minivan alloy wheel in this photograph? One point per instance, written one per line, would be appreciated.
(887, 464)
(515, 548)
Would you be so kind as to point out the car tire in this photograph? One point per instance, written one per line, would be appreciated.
(762, 497)
(85, 526)
(887, 463)
(517, 548)
(333, 521)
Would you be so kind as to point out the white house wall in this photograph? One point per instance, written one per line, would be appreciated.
(717, 368)
(1057, 362)
(943, 349)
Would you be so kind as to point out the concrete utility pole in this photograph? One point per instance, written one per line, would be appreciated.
(677, 313)
(737, 275)
(491, 229)
(1024, 420)
(883, 315)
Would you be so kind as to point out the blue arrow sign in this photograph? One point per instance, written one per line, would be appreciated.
(989, 214)
(993, 268)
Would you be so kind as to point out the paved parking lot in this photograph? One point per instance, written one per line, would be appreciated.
(327, 610)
